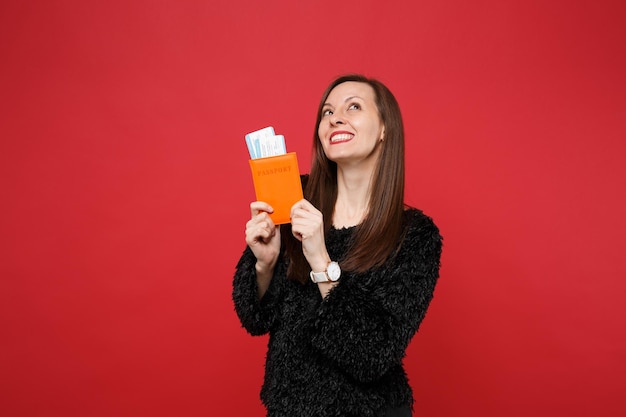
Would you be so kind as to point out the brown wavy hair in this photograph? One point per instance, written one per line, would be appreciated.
(378, 235)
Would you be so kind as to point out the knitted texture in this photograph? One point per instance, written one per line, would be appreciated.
(342, 355)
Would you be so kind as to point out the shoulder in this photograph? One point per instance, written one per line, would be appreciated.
(420, 229)
(416, 219)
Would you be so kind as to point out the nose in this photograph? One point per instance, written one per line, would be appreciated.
(335, 119)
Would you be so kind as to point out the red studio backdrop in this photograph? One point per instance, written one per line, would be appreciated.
(125, 189)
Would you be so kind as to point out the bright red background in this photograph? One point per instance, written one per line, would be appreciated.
(125, 190)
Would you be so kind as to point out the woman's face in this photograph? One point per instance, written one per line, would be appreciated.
(350, 128)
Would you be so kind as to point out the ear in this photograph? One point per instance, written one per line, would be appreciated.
(382, 134)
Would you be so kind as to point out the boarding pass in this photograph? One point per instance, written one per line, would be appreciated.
(265, 142)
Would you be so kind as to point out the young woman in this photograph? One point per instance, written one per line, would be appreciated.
(344, 287)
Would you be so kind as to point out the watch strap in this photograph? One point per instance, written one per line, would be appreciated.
(319, 277)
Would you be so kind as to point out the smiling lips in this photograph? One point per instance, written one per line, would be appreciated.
(339, 137)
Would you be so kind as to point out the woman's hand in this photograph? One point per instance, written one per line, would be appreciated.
(307, 225)
(263, 237)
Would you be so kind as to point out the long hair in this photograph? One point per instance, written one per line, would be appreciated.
(378, 235)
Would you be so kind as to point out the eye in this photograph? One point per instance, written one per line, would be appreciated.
(354, 106)
(327, 112)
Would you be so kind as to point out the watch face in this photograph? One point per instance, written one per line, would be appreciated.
(333, 271)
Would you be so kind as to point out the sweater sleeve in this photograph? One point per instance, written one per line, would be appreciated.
(256, 316)
(365, 326)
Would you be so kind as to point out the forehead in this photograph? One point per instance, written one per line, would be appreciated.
(350, 89)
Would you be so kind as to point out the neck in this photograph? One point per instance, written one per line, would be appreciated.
(353, 192)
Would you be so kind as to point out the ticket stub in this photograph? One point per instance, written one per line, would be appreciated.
(272, 146)
(264, 142)
(253, 140)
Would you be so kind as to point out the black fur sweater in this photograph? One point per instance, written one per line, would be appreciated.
(342, 355)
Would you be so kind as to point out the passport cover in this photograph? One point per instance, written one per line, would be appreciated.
(277, 182)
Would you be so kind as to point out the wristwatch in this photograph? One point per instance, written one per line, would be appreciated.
(332, 273)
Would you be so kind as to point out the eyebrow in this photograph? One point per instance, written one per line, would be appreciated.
(346, 100)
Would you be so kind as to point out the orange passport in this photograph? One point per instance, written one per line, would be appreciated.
(277, 182)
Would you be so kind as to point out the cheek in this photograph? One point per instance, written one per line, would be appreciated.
(322, 132)
(369, 129)
(376, 130)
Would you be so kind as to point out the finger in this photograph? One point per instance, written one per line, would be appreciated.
(304, 228)
(257, 207)
(260, 217)
(303, 221)
(260, 228)
(297, 234)
(301, 206)
(261, 238)
(265, 235)
(305, 209)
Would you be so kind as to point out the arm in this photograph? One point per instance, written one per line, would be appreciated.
(263, 238)
(256, 269)
(256, 314)
(307, 225)
(366, 323)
